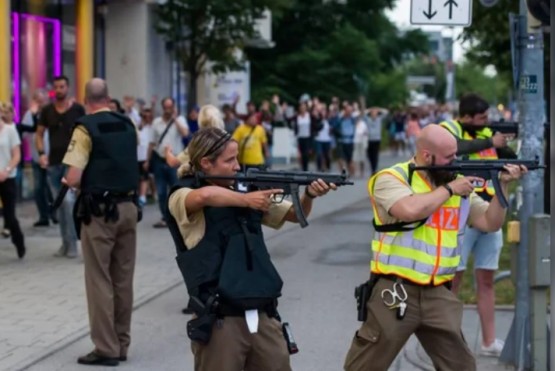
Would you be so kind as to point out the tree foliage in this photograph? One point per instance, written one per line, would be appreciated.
(211, 30)
(489, 36)
(335, 48)
(469, 78)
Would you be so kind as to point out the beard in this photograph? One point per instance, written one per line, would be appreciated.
(441, 177)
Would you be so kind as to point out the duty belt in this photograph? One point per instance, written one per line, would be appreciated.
(392, 277)
(226, 310)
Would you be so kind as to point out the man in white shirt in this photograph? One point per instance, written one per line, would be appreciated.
(167, 131)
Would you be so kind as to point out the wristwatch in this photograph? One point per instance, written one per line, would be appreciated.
(41, 153)
(449, 189)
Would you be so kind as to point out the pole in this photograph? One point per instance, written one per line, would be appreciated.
(531, 117)
(552, 181)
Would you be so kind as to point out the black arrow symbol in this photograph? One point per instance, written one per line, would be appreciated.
(430, 14)
(450, 3)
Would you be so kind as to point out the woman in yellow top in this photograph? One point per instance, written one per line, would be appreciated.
(253, 143)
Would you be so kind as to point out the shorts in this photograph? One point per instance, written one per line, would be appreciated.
(486, 248)
(345, 151)
(359, 153)
(143, 174)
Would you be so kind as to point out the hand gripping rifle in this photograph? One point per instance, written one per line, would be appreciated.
(289, 181)
(485, 169)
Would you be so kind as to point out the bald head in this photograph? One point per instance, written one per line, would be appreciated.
(434, 137)
(435, 142)
(96, 91)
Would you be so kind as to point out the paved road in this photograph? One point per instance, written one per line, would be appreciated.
(43, 316)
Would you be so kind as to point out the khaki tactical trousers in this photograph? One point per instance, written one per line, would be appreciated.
(109, 250)
(233, 348)
(434, 314)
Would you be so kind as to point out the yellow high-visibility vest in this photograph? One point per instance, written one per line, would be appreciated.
(430, 253)
(486, 154)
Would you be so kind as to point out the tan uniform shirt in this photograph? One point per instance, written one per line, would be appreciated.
(192, 227)
(388, 190)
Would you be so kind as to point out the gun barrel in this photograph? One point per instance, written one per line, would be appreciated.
(301, 178)
(481, 165)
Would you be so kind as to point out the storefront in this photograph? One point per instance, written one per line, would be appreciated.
(41, 39)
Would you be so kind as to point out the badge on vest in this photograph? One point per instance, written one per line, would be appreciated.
(446, 218)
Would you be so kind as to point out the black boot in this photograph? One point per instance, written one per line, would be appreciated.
(94, 359)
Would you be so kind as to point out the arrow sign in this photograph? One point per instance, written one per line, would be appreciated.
(430, 14)
(450, 4)
(441, 12)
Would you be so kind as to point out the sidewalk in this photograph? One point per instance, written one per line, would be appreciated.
(42, 298)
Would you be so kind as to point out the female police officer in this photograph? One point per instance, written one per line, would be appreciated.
(221, 253)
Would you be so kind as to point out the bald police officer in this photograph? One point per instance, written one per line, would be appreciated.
(102, 146)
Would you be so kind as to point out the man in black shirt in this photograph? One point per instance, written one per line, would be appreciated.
(59, 118)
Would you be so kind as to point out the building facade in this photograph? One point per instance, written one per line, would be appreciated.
(40, 41)
(112, 39)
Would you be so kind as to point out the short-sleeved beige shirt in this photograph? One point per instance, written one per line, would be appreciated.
(388, 190)
(192, 227)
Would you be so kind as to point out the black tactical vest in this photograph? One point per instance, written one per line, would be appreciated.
(231, 260)
(112, 164)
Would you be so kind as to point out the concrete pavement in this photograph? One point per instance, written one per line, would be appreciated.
(43, 307)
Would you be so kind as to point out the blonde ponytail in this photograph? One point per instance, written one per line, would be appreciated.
(210, 117)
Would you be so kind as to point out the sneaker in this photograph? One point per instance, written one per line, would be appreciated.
(41, 223)
(6, 233)
(71, 253)
(493, 350)
(160, 224)
(61, 252)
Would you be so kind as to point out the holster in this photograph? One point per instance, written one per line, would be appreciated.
(362, 295)
(200, 328)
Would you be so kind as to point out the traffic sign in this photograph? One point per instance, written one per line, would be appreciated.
(441, 12)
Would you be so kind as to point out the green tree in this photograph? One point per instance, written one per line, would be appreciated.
(334, 48)
(203, 31)
(470, 77)
(489, 36)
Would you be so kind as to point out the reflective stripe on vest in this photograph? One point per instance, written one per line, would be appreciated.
(429, 253)
(486, 154)
(453, 126)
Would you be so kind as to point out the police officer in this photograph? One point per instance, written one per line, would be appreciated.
(102, 147)
(419, 220)
(232, 283)
(478, 142)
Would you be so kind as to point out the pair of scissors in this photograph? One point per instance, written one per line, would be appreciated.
(395, 296)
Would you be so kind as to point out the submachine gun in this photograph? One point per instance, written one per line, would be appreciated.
(505, 127)
(289, 181)
(485, 169)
